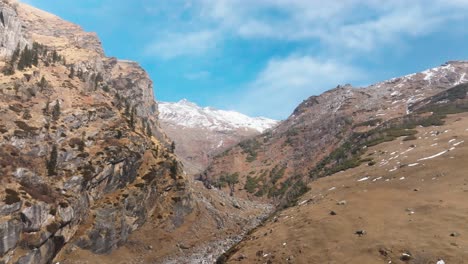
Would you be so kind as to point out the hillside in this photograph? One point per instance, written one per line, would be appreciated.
(201, 133)
(407, 208)
(318, 126)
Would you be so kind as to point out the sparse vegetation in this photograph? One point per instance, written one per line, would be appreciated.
(372, 122)
(250, 147)
(251, 184)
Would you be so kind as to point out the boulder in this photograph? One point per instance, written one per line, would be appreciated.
(9, 235)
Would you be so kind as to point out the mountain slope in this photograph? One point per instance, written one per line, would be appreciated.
(82, 159)
(200, 133)
(318, 126)
(406, 208)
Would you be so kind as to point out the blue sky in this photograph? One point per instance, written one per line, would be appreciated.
(264, 57)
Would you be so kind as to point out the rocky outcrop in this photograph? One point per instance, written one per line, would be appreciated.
(82, 158)
(10, 30)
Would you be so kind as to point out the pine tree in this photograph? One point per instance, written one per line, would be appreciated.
(10, 67)
(56, 111)
(16, 54)
(52, 162)
(174, 169)
(148, 130)
(26, 59)
(46, 108)
(43, 83)
(71, 75)
(172, 146)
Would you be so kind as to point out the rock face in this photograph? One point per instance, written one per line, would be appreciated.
(83, 161)
(10, 30)
(201, 133)
(274, 163)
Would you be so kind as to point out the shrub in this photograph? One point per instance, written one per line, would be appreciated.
(251, 184)
(11, 197)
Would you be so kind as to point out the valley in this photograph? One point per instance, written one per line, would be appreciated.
(94, 169)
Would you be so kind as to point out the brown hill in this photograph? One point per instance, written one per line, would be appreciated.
(406, 208)
(270, 165)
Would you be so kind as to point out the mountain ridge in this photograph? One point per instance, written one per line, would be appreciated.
(322, 123)
(188, 114)
(200, 133)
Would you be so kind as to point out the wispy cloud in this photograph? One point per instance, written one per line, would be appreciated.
(174, 45)
(201, 75)
(349, 24)
(285, 82)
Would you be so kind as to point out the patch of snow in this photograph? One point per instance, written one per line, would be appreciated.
(452, 140)
(406, 151)
(363, 179)
(458, 143)
(395, 93)
(461, 80)
(413, 164)
(394, 169)
(434, 156)
(402, 178)
(332, 188)
(435, 144)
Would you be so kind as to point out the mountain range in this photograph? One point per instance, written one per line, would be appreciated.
(201, 133)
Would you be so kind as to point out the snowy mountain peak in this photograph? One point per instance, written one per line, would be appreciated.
(188, 114)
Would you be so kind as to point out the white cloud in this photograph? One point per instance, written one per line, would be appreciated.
(175, 45)
(342, 31)
(285, 82)
(360, 25)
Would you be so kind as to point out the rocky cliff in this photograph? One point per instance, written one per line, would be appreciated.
(280, 161)
(201, 133)
(82, 159)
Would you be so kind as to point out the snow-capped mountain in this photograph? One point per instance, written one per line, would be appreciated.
(188, 114)
(201, 132)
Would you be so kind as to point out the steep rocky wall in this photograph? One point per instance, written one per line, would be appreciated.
(82, 159)
(10, 30)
